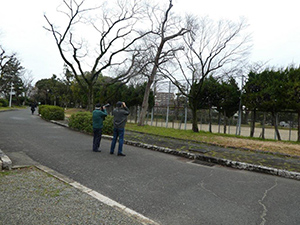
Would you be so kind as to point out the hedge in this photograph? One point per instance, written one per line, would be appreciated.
(41, 108)
(3, 102)
(83, 121)
(51, 112)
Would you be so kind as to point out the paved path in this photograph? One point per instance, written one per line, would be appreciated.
(164, 188)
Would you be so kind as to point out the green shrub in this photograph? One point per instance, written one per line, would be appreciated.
(3, 102)
(51, 112)
(83, 121)
(41, 107)
(108, 125)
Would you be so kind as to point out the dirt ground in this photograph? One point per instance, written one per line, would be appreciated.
(292, 149)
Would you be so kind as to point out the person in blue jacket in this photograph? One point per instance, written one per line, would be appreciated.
(120, 114)
(99, 115)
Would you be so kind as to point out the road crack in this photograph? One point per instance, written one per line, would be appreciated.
(202, 183)
(265, 210)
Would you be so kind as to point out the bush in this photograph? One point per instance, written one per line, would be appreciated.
(3, 102)
(108, 125)
(41, 108)
(50, 112)
(83, 121)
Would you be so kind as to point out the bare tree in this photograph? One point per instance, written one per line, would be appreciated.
(211, 46)
(165, 29)
(27, 79)
(113, 30)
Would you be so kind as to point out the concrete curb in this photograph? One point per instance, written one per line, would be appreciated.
(223, 162)
(5, 162)
(142, 219)
(220, 161)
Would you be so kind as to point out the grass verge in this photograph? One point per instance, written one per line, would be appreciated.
(10, 108)
(282, 147)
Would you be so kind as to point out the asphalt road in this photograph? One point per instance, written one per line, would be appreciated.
(164, 188)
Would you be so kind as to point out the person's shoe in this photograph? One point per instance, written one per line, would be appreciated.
(111, 153)
(97, 151)
(121, 154)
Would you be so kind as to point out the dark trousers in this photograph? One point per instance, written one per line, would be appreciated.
(97, 138)
(118, 133)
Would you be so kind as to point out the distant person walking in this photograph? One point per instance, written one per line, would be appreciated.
(120, 118)
(32, 107)
(99, 115)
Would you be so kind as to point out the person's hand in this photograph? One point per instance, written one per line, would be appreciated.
(124, 104)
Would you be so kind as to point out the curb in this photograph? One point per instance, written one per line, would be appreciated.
(220, 161)
(129, 212)
(5, 162)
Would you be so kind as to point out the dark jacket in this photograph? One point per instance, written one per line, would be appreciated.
(98, 116)
(120, 117)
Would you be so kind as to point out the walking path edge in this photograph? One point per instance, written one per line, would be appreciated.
(223, 162)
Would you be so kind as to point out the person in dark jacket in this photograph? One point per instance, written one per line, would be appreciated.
(99, 115)
(32, 107)
(120, 114)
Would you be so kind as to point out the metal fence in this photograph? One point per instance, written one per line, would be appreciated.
(180, 118)
(175, 114)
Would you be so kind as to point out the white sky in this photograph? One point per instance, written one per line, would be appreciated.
(274, 25)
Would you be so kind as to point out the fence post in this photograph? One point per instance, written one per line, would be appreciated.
(152, 112)
(168, 105)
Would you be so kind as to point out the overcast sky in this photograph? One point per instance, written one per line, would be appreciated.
(274, 25)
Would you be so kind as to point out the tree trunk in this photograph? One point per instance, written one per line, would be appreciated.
(252, 130)
(90, 98)
(225, 123)
(145, 102)
(149, 84)
(274, 114)
(194, 120)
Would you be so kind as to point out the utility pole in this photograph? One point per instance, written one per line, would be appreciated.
(10, 94)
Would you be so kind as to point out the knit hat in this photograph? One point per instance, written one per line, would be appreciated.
(119, 104)
(98, 106)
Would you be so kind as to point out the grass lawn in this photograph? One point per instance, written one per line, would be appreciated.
(13, 107)
(285, 147)
(70, 111)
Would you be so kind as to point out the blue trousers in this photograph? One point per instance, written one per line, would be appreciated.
(118, 133)
(97, 138)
